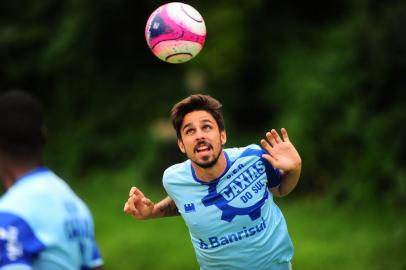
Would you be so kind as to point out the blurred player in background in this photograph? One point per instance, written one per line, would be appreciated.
(43, 224)
(225, 196)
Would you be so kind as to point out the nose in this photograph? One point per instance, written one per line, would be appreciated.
(199, 134)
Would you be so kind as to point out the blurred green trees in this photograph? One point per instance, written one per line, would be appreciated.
(331, 73)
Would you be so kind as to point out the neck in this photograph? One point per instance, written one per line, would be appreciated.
(12, 173)
(209, 174)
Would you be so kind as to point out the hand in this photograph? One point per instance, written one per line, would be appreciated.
(137, 205)
(281, 153)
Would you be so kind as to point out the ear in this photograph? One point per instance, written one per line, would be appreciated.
(223, 137)
(181, 146)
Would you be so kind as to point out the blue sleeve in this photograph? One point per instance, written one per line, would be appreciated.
(18, 243)
(91, 256)
(273, 175)
(88, 247)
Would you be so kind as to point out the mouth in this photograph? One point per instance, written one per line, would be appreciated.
(202, 147)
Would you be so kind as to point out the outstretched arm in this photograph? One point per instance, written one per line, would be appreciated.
(283, 156)
(140, 207)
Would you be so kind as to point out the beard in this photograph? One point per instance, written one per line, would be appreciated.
(209, 161)
(209, 164)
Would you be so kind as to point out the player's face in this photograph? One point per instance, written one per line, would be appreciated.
(201, 139)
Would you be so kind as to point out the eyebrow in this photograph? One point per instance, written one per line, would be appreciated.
(207, 121)
(203, 121)
(186, 126)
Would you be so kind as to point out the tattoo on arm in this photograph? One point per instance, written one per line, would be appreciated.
(169, 209)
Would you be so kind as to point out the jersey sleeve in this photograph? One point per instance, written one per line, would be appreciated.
(90, 253)
(18, 243)
(273, 175)
(169, 178)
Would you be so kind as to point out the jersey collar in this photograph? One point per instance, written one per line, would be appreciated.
(31, 173)
(214, 181)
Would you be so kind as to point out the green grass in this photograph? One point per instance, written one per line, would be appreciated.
(327, 237)
(324, 236)
(154, 244)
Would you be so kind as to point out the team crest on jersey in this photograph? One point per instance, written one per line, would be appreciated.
(243, 193)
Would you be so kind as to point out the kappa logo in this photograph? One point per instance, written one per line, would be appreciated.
(240, 195)
(189, 207)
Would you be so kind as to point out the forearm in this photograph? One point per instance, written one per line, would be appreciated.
(289, 180)
(165, 208)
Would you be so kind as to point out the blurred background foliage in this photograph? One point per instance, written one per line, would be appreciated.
(331, 72)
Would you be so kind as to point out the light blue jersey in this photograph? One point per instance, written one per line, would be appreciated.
(44, 225)
(233, 221)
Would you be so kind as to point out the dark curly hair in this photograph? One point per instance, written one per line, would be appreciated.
(22, 130)
(197, 102)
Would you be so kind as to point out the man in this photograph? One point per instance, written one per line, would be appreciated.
(222, 194)
(43, 224)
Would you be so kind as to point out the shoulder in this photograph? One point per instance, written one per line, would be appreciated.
(18, 242)
(177, 172)
(238, 152)
(30, 196)
(19, 201)
(38, 199)
(10, 221)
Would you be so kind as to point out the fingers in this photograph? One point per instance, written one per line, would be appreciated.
(147, 202)
(135, 191)
(266, 145)
(130, 204)
(131, 208)
(132, 190)
(276, 136)
(269, 149)
(271, 138)
(270, 159)
(137, 205)
(285, 135)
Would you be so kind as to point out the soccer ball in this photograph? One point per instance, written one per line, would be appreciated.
(175, 32)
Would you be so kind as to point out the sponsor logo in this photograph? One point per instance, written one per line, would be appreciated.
(244, 233)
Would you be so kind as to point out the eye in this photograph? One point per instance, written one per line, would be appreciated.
(189, 131)
(206, 127)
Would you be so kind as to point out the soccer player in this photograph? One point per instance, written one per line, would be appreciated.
(43, 224)
(225, 196)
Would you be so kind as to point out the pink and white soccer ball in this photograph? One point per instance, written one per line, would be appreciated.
(175, 32)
